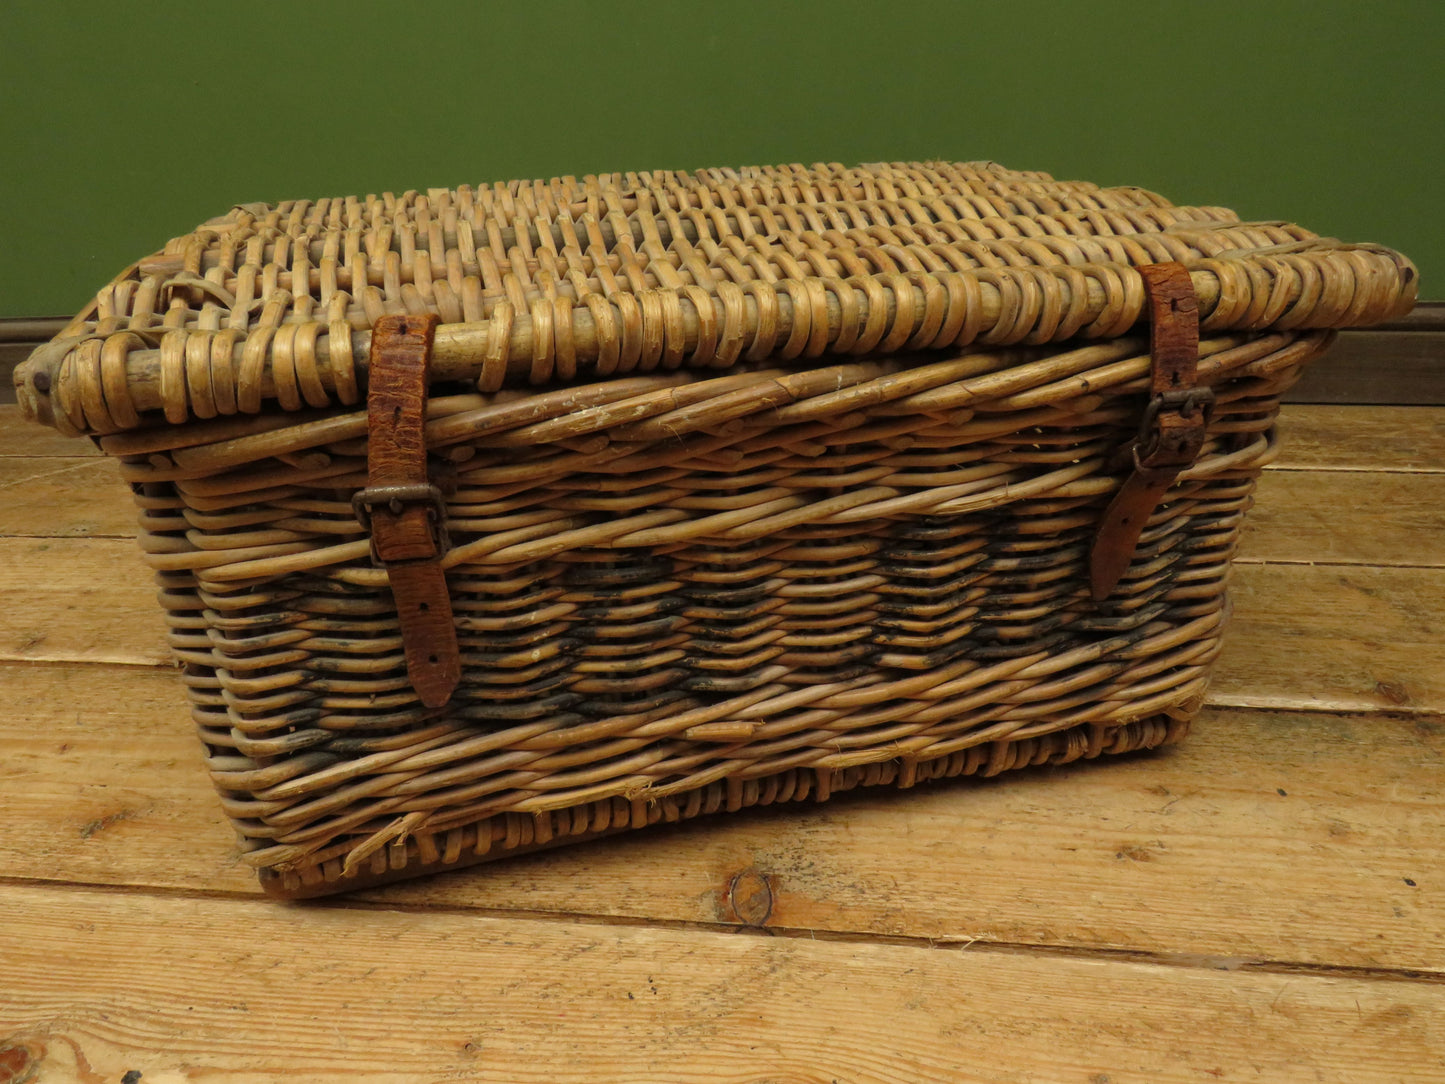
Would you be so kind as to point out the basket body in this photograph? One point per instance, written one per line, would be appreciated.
(706, 570)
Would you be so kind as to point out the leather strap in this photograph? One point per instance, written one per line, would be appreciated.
(404, 512)
(1175, 425)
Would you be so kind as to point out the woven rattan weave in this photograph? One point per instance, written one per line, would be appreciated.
(760, 485)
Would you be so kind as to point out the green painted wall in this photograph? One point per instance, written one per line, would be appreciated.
(122, 125)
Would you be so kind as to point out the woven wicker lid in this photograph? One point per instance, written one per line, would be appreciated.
(270, 307)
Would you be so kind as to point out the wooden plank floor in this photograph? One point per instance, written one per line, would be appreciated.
(1264, 902)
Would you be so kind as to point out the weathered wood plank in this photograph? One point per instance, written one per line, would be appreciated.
(102, 780)
(19, 437)
(105, 985)
(1341, 638)
(1347, 517)
(1408, 438)
(64, 498)
(79, 600)
(1194, 849)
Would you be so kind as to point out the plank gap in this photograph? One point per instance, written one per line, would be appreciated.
(1304, 468)
(1344, 563)
(974, 945)
(106, 986)
(1303, 706)
(69, 661)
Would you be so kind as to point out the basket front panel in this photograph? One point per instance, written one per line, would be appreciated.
(738, 597)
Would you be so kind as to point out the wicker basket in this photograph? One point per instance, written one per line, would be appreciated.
(730, 488)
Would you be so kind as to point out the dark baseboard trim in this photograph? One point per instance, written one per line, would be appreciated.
(1400, 363)
(1377, 368)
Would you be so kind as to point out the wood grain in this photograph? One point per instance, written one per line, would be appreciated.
(1193, 850)
(1409, 438)
(1344, 638)
(79, 600)
(103, 782)
(19, 437)
(1347, 517)
(73, 497)
(182, 990)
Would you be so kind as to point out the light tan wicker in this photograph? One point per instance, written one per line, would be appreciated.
(760, 485)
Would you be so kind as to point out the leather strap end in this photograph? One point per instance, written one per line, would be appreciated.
(424, 609)
(1118, 536)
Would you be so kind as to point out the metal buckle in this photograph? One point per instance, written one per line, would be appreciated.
(1192, 405)
(396, 500)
